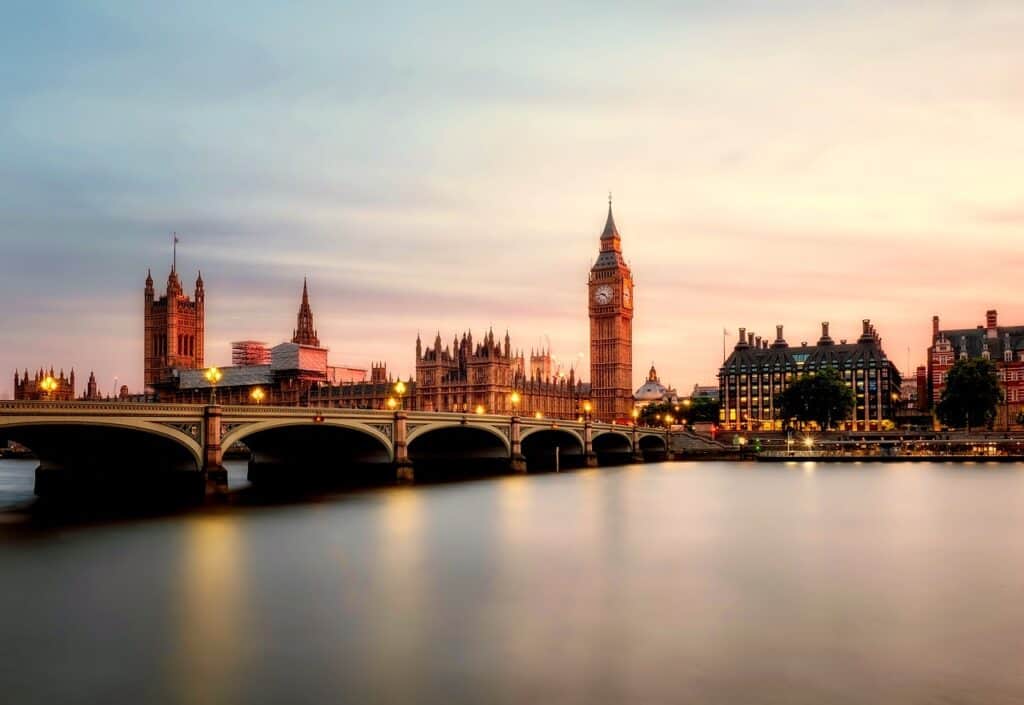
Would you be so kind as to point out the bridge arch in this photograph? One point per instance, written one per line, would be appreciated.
(451, 449)
(14, 427)
(84, 456)
(653, 445)
(425, 429)
(302, 452)
(246, 430)
(539, 446)
(612, 442)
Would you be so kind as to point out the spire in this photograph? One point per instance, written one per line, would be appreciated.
(610, 231)
(305, 333)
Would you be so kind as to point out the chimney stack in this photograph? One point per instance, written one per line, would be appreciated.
(935, 328)
(991, 320)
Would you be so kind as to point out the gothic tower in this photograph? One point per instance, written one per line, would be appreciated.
(174, 329)
(305, 333)
(611, 328)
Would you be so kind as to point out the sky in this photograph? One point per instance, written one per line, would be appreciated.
(446, 166)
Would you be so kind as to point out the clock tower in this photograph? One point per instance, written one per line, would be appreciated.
(611, 328)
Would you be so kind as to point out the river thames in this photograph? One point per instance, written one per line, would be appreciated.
(662, 583)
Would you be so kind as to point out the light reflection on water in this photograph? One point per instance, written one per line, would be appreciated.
(659, 583)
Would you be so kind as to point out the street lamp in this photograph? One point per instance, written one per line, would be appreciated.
(213, 375)
(400, 390)
(587, 407)
(258, 395)
(392, 404)
(635, 414)
(479, 408)
(809, 442)
(538, 415)
(49, 385)
(515, 399)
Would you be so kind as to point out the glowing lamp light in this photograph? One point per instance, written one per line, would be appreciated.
(399, 387)
(809, 442)
(538, 415)
(48, 385)
(587, 406)
(515, 399)
(479, 408)
(392, 403)
(258, 395)
(213, 375)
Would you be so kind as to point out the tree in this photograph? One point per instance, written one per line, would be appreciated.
(971, 394)
(822, 397)
(698, 409)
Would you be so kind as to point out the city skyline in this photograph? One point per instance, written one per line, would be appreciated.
(477, 202)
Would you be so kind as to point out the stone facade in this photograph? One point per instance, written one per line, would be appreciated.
(756, 373)
(468, 378)
(610, 296)
(31, 389)
(174, 330)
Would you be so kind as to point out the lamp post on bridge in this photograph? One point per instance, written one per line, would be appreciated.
(213, 375)
(400, 391)
(517, 463)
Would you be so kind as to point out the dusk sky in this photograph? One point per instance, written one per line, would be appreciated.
(446, 166)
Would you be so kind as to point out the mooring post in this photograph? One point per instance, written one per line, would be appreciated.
(403, 465)
(517, 463)
(590, 457)
(213, 455)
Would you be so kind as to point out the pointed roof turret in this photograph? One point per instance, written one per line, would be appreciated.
(610, 231)
(305, 333)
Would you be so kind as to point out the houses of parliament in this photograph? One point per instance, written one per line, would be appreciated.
(467, 376)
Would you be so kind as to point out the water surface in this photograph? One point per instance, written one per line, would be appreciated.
(711, 582)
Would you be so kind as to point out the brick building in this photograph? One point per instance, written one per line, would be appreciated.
(1003, 345)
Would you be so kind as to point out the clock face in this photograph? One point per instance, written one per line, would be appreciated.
(603, 295)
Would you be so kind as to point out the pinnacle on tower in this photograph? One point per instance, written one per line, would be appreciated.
(610, 231)
(305, 333)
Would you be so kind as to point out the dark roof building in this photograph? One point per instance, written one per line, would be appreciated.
(758, 370)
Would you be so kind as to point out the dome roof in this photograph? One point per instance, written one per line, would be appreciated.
(651, 391)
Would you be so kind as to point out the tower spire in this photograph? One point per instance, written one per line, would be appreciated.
(305, 333)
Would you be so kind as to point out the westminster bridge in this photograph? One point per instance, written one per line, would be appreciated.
(79, 442)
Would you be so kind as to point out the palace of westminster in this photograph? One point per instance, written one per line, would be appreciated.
(489, 376)
(482, 376)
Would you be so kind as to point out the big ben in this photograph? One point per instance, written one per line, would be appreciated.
(611, 328)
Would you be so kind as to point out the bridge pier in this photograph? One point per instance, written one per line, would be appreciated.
(637, 455)
(517, 463)
(404, 471)
(589, 456)
(213, 454)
